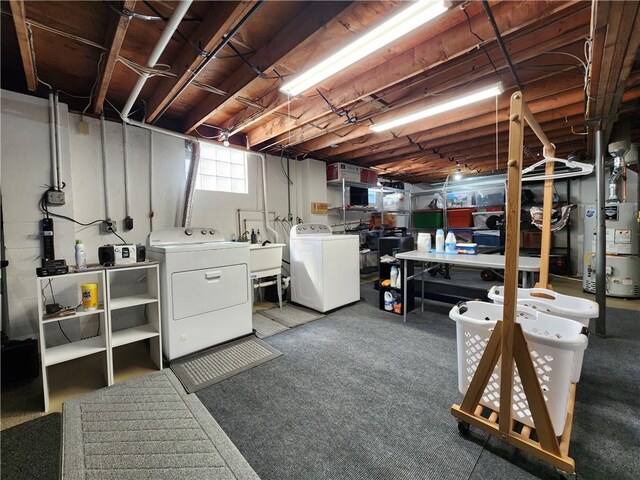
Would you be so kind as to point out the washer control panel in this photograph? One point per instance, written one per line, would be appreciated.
(310, 229)
(184, 235)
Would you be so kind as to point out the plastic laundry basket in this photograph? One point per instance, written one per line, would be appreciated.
(548, 301)
(556, 346)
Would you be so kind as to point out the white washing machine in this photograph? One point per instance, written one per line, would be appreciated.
(204, 282)
(325, 268)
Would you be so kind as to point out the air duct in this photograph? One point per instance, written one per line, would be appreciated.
(191, 184)
(617, 150)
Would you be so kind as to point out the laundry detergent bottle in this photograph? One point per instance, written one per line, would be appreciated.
(450, 243)
(388, 301)
(439, 241)
(394, 276)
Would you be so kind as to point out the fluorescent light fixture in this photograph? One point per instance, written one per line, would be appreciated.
(402, 23)
(457, 102)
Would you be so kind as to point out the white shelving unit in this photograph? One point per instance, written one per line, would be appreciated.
(134, 308)
(128, 311)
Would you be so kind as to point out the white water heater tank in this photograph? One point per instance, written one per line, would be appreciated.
(622, 253)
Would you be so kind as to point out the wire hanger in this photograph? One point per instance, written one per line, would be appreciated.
(582, 169)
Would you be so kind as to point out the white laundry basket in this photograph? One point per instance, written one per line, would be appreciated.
(548, 301)
(556, 346)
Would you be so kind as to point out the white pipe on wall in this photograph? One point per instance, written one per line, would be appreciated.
(105, 168)
(125, 158)
(151, 181)
(52, 136)
(173, 22)
(58, 139)
(264, 194)
(262, 156)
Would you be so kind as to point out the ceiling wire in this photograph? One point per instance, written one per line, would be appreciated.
(481, 44)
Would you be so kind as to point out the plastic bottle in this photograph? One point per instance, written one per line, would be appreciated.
(254, 238)
(388, 301)
(450, 243)
(428, 243)
(399, 279)
(394, 276)
(439, 241)
(258, 237)
(81, 257)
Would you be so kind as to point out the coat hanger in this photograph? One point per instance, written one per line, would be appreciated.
(582, 169)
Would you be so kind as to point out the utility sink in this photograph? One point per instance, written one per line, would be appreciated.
(265, 260)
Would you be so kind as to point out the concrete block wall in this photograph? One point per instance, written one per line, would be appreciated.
(25, 172)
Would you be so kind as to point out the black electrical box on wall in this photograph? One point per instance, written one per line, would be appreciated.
(20, 360)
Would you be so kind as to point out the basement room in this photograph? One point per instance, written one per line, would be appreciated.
(320, 240)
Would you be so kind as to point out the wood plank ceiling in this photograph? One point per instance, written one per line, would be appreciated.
(221, 72)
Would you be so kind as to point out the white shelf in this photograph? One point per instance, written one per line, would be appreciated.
(135, 334)
(132, 301)
(69, 351)
(79, 313)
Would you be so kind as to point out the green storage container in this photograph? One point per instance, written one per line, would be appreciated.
(428, 219)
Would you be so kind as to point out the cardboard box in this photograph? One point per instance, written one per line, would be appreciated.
(351, 173)
(531, 239)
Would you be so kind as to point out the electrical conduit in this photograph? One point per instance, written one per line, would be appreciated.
(151, 180)
(262, 156)
(52, 136)
(125, 158)
(105, 168)
(176, 17)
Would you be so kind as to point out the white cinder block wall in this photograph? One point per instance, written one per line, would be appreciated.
(25, 168)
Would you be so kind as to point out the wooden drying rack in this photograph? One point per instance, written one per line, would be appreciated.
(507, 342)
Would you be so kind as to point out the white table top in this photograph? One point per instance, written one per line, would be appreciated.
(525, 264)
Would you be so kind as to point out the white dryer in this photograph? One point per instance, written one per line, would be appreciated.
(325, 268)
(204, 282)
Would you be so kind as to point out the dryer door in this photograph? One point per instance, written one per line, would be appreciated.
(209, 289)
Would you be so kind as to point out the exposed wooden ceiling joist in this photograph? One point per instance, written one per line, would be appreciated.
(217, 23)
(615, 30)
(444, 47)
(313, 18)
(24, 42)
(115, 36)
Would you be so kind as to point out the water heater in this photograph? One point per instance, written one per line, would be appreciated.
(622, 259)
(622, 264)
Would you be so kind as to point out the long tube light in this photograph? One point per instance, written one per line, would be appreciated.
(457, 102)
(404, 22)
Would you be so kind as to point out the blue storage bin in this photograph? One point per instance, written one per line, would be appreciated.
(486, 240)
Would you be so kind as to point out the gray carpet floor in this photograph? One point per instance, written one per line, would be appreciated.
(32, 450)
(147, 428)
(359, 395)
(265, 327)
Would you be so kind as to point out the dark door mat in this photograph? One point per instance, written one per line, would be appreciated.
(219, 363)
(32, 449)
(147, 428)
(265, 327)
(291, 316)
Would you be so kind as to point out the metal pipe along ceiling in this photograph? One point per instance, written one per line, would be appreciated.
(178, 14)
(210, 56)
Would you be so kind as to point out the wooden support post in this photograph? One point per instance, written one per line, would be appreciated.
(545, 248)
(512, 253)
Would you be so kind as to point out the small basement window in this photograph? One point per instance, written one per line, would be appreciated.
(221, 169)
